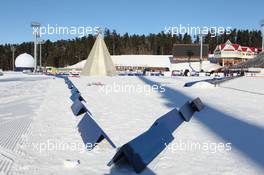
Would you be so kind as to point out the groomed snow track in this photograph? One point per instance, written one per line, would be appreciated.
(20, 98)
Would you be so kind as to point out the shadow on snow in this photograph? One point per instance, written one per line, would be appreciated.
(245, 137)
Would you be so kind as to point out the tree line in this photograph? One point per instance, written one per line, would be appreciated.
(67, 52)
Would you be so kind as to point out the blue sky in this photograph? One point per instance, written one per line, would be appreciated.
(132, 16)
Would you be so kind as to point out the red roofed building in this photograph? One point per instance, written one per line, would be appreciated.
(229, 53)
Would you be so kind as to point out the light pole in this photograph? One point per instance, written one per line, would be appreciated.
(13, 49)
(35, 27)
(201, 49)
(40, 42)
(262, 31)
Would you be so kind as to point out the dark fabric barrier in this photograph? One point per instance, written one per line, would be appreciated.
(91, 132)
(140, 151)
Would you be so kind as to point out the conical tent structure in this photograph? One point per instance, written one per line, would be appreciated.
(99, 61)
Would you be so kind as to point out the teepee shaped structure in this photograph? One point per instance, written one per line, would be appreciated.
(99, 61)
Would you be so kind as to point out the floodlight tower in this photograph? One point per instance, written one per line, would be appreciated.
(262, 31)
(13, 49)
(40, 42)
(35, 27)
(201, 35)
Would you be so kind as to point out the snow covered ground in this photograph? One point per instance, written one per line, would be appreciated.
(36, 119)
(20, 97)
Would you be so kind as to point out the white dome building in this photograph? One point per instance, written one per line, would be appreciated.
(24, 62)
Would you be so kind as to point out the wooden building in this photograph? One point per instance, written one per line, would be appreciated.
(229, 54)
(188, 52)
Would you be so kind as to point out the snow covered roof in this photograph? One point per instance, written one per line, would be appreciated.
(135, 61)
(142, 60)
(153, 61)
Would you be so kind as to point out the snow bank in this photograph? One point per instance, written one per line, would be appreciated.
(71, 163)
(202, 85)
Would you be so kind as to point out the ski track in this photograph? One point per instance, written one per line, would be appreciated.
(5, 164)
(17, 99)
